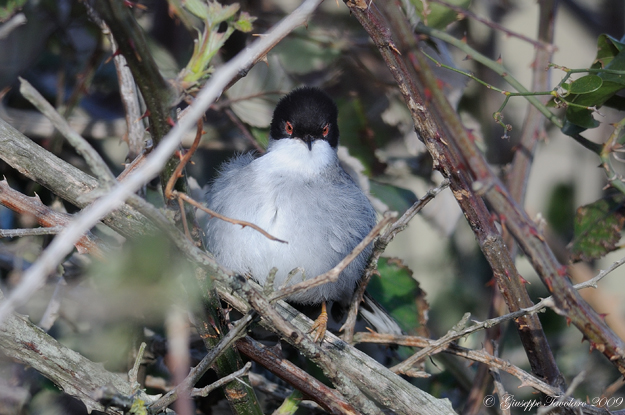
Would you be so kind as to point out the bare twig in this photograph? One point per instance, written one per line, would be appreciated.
(63, 243)
(12, 233)
(481, 356)
(460, 331)
(185, 159)
(178, 360)
(333, 274)
(77, 376)
(130, 99)
(52, 310)
(246, 133)
(211, 212)
(305, 344)
(465, 12)
(221, 382)
(196, 373)
(501, 391)
(134, 371)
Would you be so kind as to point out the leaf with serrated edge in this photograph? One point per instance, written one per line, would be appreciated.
(597, 228)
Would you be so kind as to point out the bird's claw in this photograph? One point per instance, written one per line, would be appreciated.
(319, 327)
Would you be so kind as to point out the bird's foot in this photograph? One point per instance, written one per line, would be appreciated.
(320, 325)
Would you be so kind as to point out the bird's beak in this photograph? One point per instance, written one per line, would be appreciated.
(308, 139)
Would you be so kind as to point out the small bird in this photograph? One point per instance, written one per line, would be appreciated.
(297, 192)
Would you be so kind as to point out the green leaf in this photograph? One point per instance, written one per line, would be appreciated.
(607, 49)
(218, 13)
(302, 55)
(580, 117)
(598, 228)
(400, 294)
(586, 84)
(198, 7)
(396, 198)
(438, 15)
(9, 8)
(610, 55)
(244, 24)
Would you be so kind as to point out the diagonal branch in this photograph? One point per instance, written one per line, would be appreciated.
(437, 124)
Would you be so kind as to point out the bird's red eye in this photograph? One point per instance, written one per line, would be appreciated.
(326, 130)
(288, 128)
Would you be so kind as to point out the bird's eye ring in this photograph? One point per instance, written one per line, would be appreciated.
(288, 128)
(326, 130)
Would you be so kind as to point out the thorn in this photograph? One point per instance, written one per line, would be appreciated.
(394, 48)
(147, 113)
(490, 283)
(562, 271)
(499, 60)
(171, 122)
(568, 323)
(524, 281)
(534, 232)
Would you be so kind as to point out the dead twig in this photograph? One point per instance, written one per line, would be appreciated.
(13, 233)
(203, 392)
(185, 159)
(211, 212)
(196, 373)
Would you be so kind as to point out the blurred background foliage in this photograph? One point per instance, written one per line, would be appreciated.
(434, 272)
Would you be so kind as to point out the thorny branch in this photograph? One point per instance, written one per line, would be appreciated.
(438, 125)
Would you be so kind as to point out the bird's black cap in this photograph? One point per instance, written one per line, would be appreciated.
(306, 112)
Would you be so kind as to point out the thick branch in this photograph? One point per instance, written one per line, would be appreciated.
(77, 376)
(432, 126)
(450, 135)
(63, 179)
(328, 398)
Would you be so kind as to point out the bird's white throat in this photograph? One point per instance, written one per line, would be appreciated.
(293, 156)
